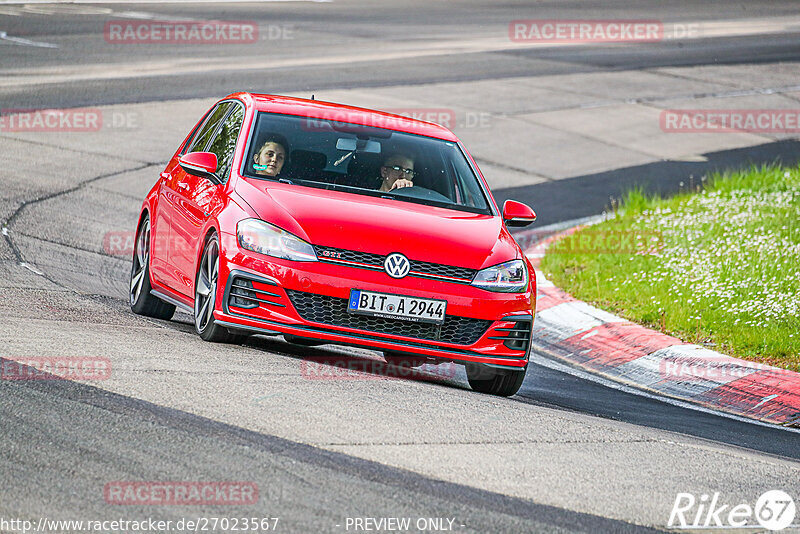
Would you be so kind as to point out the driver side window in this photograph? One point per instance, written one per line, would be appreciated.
(224, 144)
(200, 140)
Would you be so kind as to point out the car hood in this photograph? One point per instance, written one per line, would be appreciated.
(382, 226)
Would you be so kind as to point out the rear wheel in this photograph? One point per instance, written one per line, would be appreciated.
(205, 295)
(142, 302)
(494, 381)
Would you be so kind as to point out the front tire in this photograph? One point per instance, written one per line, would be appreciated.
(494, 381)
(141, 301)
(205, 296)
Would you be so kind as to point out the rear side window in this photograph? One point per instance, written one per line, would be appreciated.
(224, 144)
(207, 130)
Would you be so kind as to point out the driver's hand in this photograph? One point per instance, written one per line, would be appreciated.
(402, 182)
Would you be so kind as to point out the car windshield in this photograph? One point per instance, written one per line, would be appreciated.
(363, 160)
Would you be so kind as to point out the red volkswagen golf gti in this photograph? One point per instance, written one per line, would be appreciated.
(333, 224)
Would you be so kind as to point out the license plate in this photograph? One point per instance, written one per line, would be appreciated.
(400, 307)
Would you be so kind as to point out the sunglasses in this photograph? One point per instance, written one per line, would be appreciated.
(407, 172)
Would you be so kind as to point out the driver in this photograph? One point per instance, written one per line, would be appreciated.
(397, 171)
(269, 159)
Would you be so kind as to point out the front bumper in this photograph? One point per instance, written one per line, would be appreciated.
(309, 299)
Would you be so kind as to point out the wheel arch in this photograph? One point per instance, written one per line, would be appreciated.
(212, 229)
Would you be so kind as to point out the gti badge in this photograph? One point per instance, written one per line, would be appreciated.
(396, 265)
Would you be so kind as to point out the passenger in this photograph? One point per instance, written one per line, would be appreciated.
(270, 158)
(397, 171)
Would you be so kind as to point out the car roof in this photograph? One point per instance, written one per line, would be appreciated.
(318, 109)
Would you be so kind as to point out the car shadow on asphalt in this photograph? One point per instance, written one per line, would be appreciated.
(342, 362)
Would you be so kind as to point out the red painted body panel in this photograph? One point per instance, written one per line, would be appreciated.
(380, 225)
(184, 209)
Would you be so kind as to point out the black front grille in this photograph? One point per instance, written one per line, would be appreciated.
(436, 269)
(424, 268)
(333, 311)
(325, 253)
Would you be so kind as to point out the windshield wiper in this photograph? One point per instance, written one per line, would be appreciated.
(340, 160)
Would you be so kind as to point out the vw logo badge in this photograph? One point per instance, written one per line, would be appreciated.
(396, 265)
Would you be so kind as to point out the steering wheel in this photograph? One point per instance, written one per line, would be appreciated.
(423, 193)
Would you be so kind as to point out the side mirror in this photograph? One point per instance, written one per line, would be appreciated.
(517, 214)
(202, 164)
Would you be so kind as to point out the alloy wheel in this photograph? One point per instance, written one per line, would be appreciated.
(206, 286)
(140, 258)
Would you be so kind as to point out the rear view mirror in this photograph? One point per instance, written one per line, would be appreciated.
(372, 147)
(360, 145)
(202, 164)
(343, 143)
(517, 214)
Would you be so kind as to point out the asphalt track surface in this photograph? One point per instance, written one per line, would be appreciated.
(61, 440)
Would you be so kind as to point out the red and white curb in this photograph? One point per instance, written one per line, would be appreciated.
(628, 353)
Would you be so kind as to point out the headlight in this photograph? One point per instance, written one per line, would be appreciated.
(264, 238)
(508, 277)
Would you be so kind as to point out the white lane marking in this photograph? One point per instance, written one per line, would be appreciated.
(140, 15)
(47, 8)
(60, 9)
(32, 269)
(427, 48)
(550, 362)
(179, 66)
(5, 230)
(25, 42)
(765, 399)
(113, 2)
(697, 371)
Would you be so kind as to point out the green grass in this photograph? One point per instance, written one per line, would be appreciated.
(717, 265)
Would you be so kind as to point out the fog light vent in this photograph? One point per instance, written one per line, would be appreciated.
(242, 294)
(517, 337)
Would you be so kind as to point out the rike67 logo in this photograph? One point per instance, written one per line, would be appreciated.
(774, 510)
